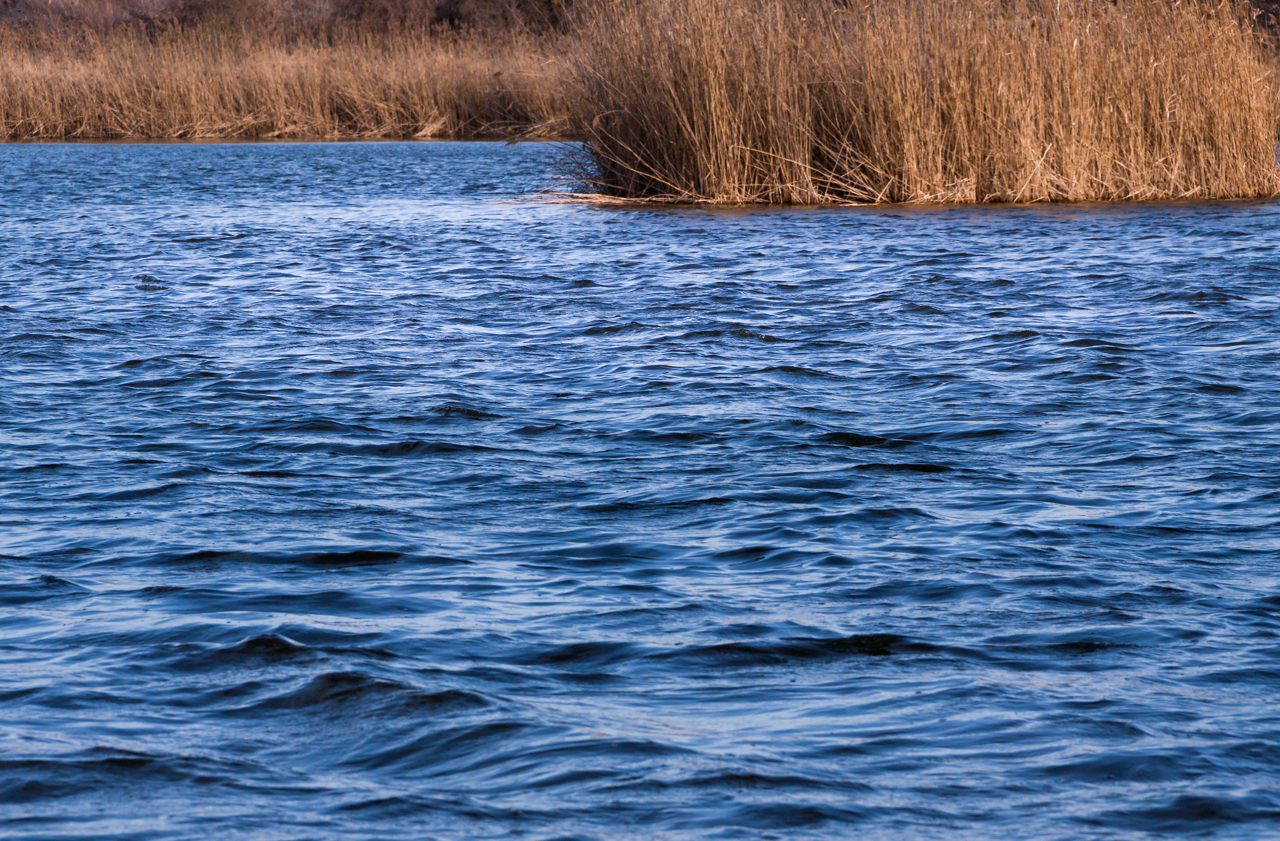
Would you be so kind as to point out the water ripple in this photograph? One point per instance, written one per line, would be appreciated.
(348, 495)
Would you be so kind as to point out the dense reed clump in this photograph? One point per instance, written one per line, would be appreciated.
(247, 82)
(808, 101)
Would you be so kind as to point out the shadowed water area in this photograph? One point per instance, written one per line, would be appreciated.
(347, 494)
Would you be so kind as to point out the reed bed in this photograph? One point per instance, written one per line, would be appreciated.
(816, 101)
(217, 82)
(784, 101)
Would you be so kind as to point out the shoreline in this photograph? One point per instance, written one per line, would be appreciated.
(311, 140)
(722, 101)
(552, 196)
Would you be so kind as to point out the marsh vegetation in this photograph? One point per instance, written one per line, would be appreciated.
(274, 69)
(789, 101)
(900, 100)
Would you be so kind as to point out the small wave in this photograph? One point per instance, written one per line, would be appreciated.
(582, 655)
(40, 589)
(853, 439)
(103, 769)
(162, 382)
(776, 816)
(440, 750)
(459, 410)
(321, 559)
(740, 781)
(403, 449)
(42, 467)
(536, 429)
(361, 692)
(914, 590)
(132, 493)
(624, 506)
(799, 371)
(1198, 812)
(794, 649)
(1130, 766)
(1014, 336)
(614, 329)
(905, 467)
(1196, 296)
(311, 425)
(734, 332)
(269, 646)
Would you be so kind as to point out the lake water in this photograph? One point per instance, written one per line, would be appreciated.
(348, 492)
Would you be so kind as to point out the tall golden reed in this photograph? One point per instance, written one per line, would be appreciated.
(811, 101)
(211, 82)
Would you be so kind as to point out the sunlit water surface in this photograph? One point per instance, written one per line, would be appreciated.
(347, 492)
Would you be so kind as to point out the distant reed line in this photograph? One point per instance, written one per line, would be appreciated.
(242, 82)
(782, 101)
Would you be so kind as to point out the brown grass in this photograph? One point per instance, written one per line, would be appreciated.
(805, 101)
(228, 82)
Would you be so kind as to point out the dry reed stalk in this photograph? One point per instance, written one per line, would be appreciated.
(208, 83)
(805, 101)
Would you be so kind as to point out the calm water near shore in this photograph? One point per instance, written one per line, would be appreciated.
(349, 493)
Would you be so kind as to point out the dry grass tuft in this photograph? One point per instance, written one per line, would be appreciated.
(806, 101)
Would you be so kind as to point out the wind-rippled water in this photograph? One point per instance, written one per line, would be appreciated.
(347, 494)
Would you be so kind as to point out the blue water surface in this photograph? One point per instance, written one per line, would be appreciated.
(354, 491)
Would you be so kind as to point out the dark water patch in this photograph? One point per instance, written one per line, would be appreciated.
(105, 769)
(42, 588)
(458, 410)
(796, 371)
(129, 494)
(1133, 767)
(312, 425)
(628, 506)
(340, 693)
(778, 816)
(916, 590)
(582, 656)
(1198, 813)
(738, 781)
(786, 651)
(212, 558)
(266, 646)
(53, 465)
(614, 329)
(403, 449)
(907, 467)
(854, 439)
